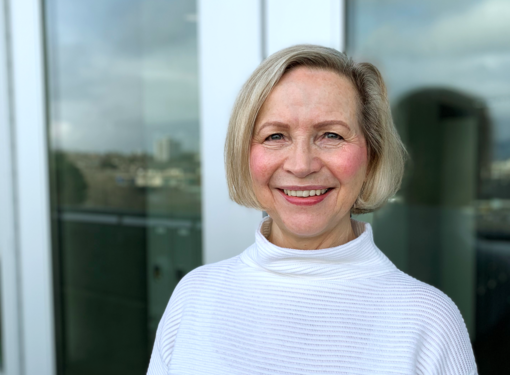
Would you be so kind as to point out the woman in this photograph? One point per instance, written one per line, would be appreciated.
(310, 141)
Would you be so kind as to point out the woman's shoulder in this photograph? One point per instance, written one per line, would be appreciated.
(419, 300)
(209, 271)
(418, 295)
(191, 292)
(435, 321)
(203, 281)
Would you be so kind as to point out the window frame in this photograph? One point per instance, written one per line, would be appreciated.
(27, 288)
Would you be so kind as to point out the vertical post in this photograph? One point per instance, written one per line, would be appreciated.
(10, 344)
(291, 22)
(229, 41)
(32, 187)
(263, 28)
(339, 24)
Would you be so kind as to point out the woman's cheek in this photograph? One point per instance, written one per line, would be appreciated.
(260, 164)
(350, 162)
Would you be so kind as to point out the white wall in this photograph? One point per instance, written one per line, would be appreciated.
(231, 46)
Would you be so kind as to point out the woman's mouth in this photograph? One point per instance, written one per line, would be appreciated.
(304, 193)
(307, 197)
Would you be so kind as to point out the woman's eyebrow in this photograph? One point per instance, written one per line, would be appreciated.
(318, 125)
(324, 124)
(276, 124)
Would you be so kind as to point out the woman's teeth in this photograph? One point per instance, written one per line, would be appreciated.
(304, 193)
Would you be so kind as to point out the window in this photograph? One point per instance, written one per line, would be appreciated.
(125, 173)
(446, 65)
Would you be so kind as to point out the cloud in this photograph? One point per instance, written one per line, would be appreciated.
(120, 71)
(60, 130)
(482, 27)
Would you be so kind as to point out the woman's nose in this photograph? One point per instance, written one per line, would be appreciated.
(302, 161)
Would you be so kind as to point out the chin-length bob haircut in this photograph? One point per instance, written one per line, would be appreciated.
(386, 153)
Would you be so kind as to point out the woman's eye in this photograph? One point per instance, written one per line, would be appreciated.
(275, 137)
(332, 136)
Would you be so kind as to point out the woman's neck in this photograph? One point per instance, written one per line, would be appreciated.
(336, 236)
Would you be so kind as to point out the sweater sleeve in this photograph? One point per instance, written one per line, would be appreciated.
(445, 348)
(167, 330)
(156, 365)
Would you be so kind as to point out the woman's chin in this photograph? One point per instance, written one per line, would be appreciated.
(306, 227)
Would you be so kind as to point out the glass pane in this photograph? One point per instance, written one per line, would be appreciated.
(447, 67)
(125, 171)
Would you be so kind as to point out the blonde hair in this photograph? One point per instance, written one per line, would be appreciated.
(386, 152)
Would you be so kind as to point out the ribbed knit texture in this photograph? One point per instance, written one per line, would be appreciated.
(342, 310)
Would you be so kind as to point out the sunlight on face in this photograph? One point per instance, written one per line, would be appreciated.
(308, 156)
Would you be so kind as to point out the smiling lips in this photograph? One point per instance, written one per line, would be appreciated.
(300, 197)
(304, 193)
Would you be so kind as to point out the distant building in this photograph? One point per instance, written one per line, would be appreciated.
(149, 178)
(166, 149)
(501, 169)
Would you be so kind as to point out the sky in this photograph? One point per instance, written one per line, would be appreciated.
(122, 73)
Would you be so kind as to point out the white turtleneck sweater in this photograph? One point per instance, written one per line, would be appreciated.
(342, 310)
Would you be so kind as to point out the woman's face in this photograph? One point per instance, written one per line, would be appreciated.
(308, 156)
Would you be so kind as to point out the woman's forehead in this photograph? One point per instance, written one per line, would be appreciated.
(305, 94)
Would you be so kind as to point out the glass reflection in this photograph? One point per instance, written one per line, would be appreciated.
(125, 172)
(447, 67)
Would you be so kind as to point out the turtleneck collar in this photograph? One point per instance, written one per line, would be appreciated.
(359, 258)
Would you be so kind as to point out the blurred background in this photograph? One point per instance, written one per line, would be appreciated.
(113, 115)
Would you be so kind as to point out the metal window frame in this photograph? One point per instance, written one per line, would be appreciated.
(27, 292)
(229, 43)
(11, 350)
